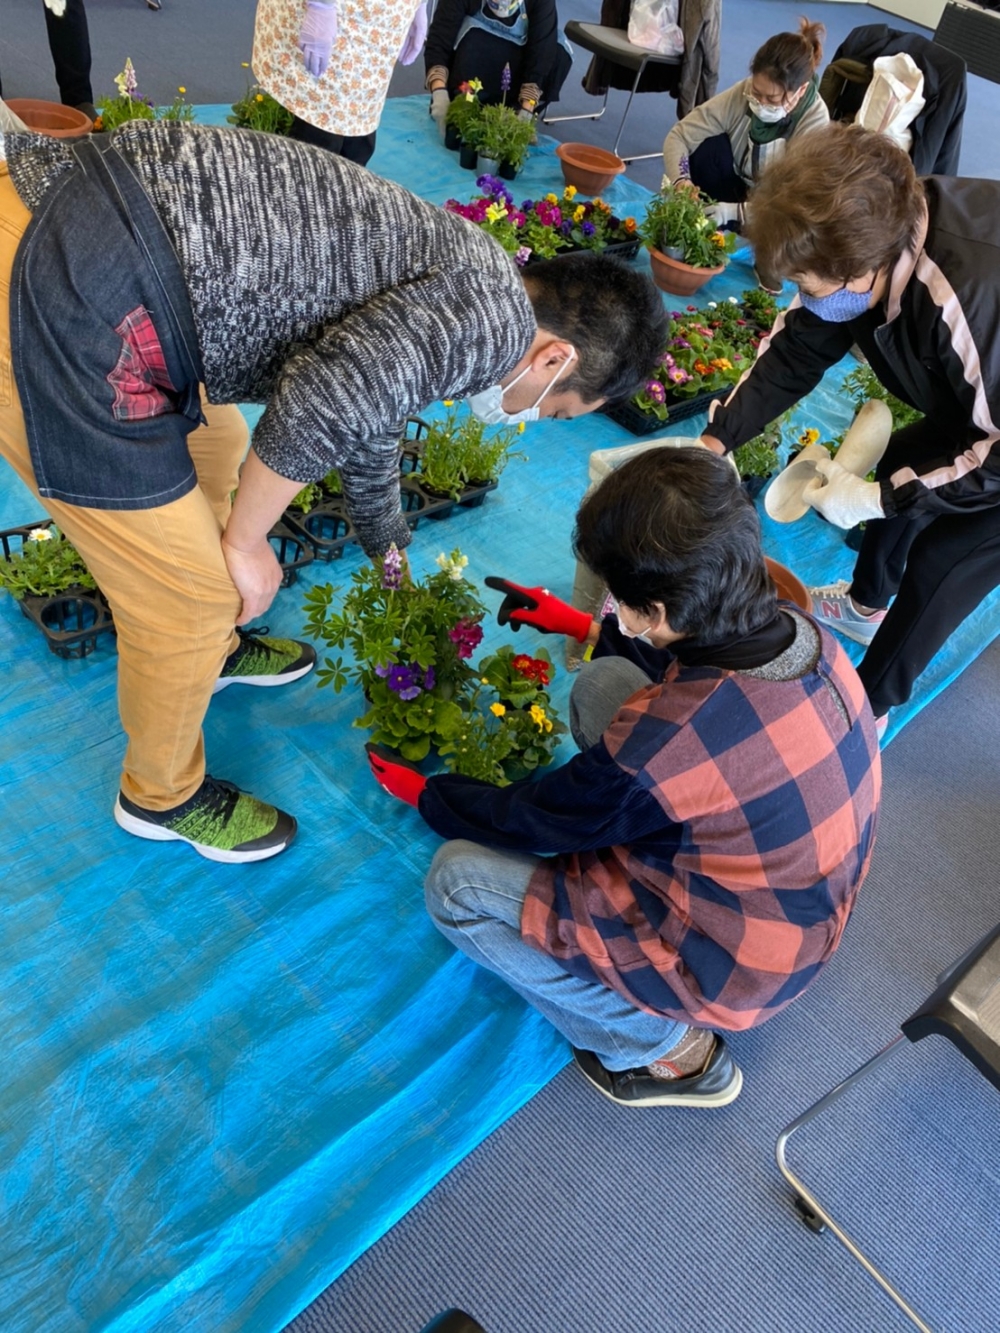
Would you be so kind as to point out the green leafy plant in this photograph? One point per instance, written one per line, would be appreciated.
(258, 110)
(411, 641)
(131, 105)
(315, 492)
(676, 224)
(862, 384)
(759, 456)
(45, 566)
(511, 728)
(464, 111)
(503, 136)
(458, 451)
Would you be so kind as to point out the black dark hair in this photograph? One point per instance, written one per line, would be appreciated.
(790, 59)
(613, 316)
(673, 525)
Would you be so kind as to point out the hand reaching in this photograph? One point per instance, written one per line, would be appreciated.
(537, 607)
(396, 776)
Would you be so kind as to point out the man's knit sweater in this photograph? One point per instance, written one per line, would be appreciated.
(338, 299)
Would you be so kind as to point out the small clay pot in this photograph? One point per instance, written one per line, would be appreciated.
(51, 118)
(677, 278)
(590, 169)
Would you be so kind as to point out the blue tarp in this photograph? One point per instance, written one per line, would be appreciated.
(221, 1084)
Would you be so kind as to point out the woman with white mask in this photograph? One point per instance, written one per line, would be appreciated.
(722, 146)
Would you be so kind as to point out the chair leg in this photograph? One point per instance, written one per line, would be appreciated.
(636, 157)
(813, 1213)
(554, 120)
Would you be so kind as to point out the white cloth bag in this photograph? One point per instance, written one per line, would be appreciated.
(653, 25)
(895, 98)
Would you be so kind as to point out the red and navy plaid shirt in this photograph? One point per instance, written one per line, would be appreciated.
(704, 856)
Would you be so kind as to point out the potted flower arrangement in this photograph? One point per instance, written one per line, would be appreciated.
(511, 729)
(685, 248)
(543, 228)
(131, 105)
(412, 642)
(707, 351)
(53, 587)
(258, 110)
(461, 120)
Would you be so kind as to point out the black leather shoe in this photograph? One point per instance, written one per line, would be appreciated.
(717, 1085)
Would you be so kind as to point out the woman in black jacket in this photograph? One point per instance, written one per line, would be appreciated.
(477, 39)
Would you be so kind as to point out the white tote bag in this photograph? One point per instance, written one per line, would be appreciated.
(895, 98)
(653, 25)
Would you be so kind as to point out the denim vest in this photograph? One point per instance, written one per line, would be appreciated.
(97, 299)
(516, 32)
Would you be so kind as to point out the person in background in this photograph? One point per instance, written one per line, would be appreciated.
(906, 269)
(164, 258)
(476, 39)
(694, 866)
(723, 145)
(69, 42)
(329, 63)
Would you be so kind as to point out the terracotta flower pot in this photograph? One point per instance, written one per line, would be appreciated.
(590, 169)
(790, 588)
(677, 278)
(51, 118)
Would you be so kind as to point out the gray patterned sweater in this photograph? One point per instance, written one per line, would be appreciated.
(339, 300)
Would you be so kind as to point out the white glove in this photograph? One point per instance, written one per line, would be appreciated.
(440, 102)
(842, 498)
(525, 114)
(415, 38)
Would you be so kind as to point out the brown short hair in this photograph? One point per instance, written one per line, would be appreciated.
(840, 202)
(790, 59)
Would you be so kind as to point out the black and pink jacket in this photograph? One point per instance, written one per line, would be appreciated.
(933, 343)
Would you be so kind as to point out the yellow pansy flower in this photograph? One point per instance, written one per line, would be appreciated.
(537, 715)
(579, 213)
(496, 212)
(809, 436)
(570, 191)
(497, 710)
(551, 199)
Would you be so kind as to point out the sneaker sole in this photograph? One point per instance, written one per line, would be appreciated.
(154, 833)
(707, 1102)
(859, 635)
(267, 682)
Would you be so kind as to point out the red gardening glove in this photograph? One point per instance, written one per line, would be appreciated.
(537, 607)
(399, 778)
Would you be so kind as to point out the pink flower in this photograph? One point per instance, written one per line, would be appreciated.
(466, 635)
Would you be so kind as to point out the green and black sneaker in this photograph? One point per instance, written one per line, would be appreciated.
(220, 822)
(259, 660)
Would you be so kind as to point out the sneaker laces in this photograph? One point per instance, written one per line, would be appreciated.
(839, 589)
(219, 798)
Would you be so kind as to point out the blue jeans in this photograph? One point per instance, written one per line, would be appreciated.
(475, 896)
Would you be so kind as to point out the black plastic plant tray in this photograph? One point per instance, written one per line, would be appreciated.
(292, 549)
(326, 529)
(71, 621)
(645, 423)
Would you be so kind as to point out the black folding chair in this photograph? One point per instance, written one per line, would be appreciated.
(613, 44)
(965, 1008)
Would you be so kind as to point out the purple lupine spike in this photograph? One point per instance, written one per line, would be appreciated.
(505, 79)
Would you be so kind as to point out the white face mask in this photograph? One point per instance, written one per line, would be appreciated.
(488, 405)
(641, 635)
(767, 115)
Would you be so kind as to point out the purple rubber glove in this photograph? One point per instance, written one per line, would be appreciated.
(317, 36)
(416, 37)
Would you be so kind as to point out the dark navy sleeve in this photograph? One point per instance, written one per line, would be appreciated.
(588, 803)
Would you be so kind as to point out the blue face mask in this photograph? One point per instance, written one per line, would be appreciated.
(839, 306)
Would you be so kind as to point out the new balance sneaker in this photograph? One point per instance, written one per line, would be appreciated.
(259, 660)
(832, 606)
(718, 1083)
(219, 821)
